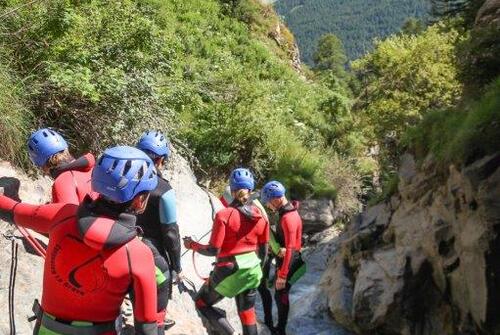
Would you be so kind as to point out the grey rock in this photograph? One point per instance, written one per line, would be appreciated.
(378, 215)
(408, 168)
(378, 283)
(338, 285)
(317, 214)
(427, 262)
(489, 14)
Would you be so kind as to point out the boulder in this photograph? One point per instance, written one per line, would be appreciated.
(489, 14)
(338, 285)
(378, 283)
(317, 214)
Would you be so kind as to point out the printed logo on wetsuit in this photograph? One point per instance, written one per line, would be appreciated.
(79, 271)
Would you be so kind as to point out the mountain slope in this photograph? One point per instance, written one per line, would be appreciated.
(217, 75)
(356, 22)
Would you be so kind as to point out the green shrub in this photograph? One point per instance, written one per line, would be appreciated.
(478, 57)
(15, 120)
(206, 71)
(303, 173)
(92, 69)
(460, 135)
(407, 76)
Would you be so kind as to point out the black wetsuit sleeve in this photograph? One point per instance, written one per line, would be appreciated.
(171, 241)
(170, 229)
(263, 253)
(208, 250)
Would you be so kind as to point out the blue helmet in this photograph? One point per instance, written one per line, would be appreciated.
(155, 142)
(273, 189)
(122, 173)
(240, 179)
(43, 144)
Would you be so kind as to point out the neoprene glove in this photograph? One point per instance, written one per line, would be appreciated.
(9, 187)
(9, 191)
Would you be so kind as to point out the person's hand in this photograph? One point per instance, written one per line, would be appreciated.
(280, 283)
(179, 278)
(9, 187)
(187, 242)
(282, 252)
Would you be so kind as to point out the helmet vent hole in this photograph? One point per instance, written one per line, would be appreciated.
(45, 134)
(127, 167)
(140, 172)
(113, 166)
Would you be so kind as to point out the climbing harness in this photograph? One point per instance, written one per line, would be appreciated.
(12, 285)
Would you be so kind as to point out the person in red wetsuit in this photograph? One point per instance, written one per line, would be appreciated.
(239, 240)
(289, 264)
(94, 256)
(274, 248)
(49, 151)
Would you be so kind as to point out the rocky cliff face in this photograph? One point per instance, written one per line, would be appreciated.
(428, 260)
(489, 14)
(30, 266)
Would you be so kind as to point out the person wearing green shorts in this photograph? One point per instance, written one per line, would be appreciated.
(239, 239)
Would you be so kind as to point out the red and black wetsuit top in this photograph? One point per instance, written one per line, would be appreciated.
(239, 230)
(72, 180)
(289, 234)
(93, 259)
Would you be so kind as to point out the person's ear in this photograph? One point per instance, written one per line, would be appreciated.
(160, 162)
(274, 202)
(137, 202)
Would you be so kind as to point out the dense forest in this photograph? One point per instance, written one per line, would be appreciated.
(355, 22)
